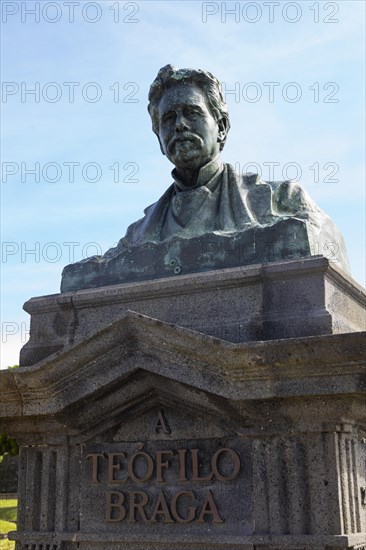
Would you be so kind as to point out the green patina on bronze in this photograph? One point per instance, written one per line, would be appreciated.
(210, 217)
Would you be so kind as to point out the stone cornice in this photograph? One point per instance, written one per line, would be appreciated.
(317, 365)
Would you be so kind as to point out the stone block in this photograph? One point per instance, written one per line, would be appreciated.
(261, 302)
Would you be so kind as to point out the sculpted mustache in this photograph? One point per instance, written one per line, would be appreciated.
(183, 137)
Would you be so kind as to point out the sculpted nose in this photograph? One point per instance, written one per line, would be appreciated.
(181, 124)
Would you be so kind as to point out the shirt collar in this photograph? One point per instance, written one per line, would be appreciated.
(207, 175)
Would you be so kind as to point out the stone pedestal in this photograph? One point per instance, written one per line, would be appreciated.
(146, 432)
(305, 297)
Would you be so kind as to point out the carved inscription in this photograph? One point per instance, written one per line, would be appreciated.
(162, 426)
(131, 506)
(181, 485)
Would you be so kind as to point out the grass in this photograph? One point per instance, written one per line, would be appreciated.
(8, 516)
(8, 509)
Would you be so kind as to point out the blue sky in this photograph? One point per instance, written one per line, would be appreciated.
(309, 54)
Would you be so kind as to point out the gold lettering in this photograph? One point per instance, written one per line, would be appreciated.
(149, 467)
(235, 460)
(120, 511)
(114, 466)
(195, 466)
(137, 505)
(191, 510)
(94, 458)
(210, 508)
(161, 509)
(160, 464)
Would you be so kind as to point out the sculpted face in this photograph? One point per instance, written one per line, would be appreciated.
(188, 132)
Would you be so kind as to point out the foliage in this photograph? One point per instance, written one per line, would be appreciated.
(8, 445)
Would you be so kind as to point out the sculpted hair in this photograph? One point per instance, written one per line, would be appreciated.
(170, 76)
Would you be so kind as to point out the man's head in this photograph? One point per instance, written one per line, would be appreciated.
(189, 115)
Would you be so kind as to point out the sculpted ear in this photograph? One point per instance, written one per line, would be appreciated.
(222, 124)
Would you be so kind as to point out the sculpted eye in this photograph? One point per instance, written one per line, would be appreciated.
(193, 111)
(167, 116)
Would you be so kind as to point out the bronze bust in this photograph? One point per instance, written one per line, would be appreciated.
(210, 217)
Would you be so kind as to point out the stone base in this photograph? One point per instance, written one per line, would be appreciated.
(148, 433)
(261, 302)
(151, 436)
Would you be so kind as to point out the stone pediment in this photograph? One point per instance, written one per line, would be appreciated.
(157, 416)
(138, 363)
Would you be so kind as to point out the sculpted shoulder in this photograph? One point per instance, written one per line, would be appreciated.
(269, 200)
